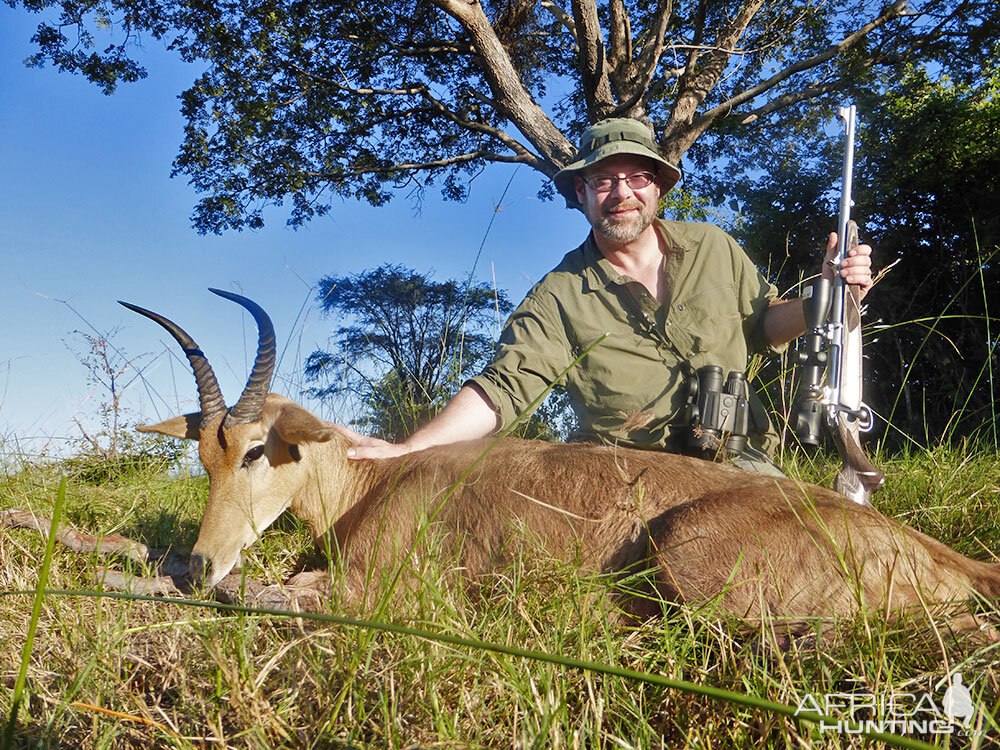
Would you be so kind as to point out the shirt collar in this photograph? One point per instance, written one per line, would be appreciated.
(601, 274)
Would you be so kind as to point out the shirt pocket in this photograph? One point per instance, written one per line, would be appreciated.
(620, 375)
(713, 320)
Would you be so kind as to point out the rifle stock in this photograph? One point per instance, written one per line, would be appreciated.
(858, 477)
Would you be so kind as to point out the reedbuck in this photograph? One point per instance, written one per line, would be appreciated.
(766, 548)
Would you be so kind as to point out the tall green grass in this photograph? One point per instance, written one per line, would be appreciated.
(174, 676)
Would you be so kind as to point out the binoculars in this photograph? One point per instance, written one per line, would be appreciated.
(717, 413)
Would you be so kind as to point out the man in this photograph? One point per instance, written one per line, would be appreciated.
(671, 297)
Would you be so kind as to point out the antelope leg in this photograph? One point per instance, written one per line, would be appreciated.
(77, 541)
(166, 561)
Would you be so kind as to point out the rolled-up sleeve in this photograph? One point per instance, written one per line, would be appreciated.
(530, 355)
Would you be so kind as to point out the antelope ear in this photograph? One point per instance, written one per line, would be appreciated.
(184, 426)
(296, 424)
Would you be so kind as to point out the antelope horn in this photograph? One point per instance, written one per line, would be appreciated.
(251, 404)
(209, 393)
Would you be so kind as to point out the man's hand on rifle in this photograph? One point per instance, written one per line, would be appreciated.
(856, 268)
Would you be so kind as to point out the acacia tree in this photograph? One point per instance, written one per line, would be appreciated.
(300, 101)
(409, 345)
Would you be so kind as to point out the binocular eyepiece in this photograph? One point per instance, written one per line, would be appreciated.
(717, 413)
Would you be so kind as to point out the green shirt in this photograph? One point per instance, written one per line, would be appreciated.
(631, 388)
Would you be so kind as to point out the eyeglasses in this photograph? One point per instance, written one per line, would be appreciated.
(635, 181)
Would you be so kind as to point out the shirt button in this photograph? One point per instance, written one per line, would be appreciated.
(680, 307)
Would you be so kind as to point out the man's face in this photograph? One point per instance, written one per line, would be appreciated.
(621, 213)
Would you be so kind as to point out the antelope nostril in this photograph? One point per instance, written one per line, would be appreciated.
(198, 567)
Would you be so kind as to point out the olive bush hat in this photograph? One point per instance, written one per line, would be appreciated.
(609, 138)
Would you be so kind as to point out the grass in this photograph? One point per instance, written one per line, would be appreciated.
(110, 673)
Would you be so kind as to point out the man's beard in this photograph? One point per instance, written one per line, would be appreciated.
(625, 229)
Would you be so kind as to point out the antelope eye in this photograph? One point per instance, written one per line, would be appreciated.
(253, 454)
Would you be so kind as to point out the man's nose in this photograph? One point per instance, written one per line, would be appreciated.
(621, 188)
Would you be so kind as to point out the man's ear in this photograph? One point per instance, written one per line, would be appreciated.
(184, 426)
(296, 424)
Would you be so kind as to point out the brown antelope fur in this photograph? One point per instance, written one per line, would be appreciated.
(764, 547)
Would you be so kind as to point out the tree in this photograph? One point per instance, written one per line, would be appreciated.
(927, 176)
(114, 450)
(303, 100)
(410, 344)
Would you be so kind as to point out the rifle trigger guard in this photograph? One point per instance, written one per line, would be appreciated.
(863, 416)
(867, 420)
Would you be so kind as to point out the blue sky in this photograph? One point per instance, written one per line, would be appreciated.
(89, 215)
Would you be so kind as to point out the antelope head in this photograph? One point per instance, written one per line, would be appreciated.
(250, 451)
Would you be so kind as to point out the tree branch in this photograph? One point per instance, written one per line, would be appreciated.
(786, 100)
(482, 127)
(522, 154)
(620, 43)
(695, 84)
(414, 90)
(697, 38)
(705, 120)
(514, 101)
(593, 64)
(563, 17)
(644, 68)
(432, 164)
(434, 48)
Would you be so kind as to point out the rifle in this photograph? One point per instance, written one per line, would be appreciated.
(831, 356)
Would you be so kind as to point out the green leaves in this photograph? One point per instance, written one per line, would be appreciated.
(301, 102)
(926, 178)
(411, 342)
